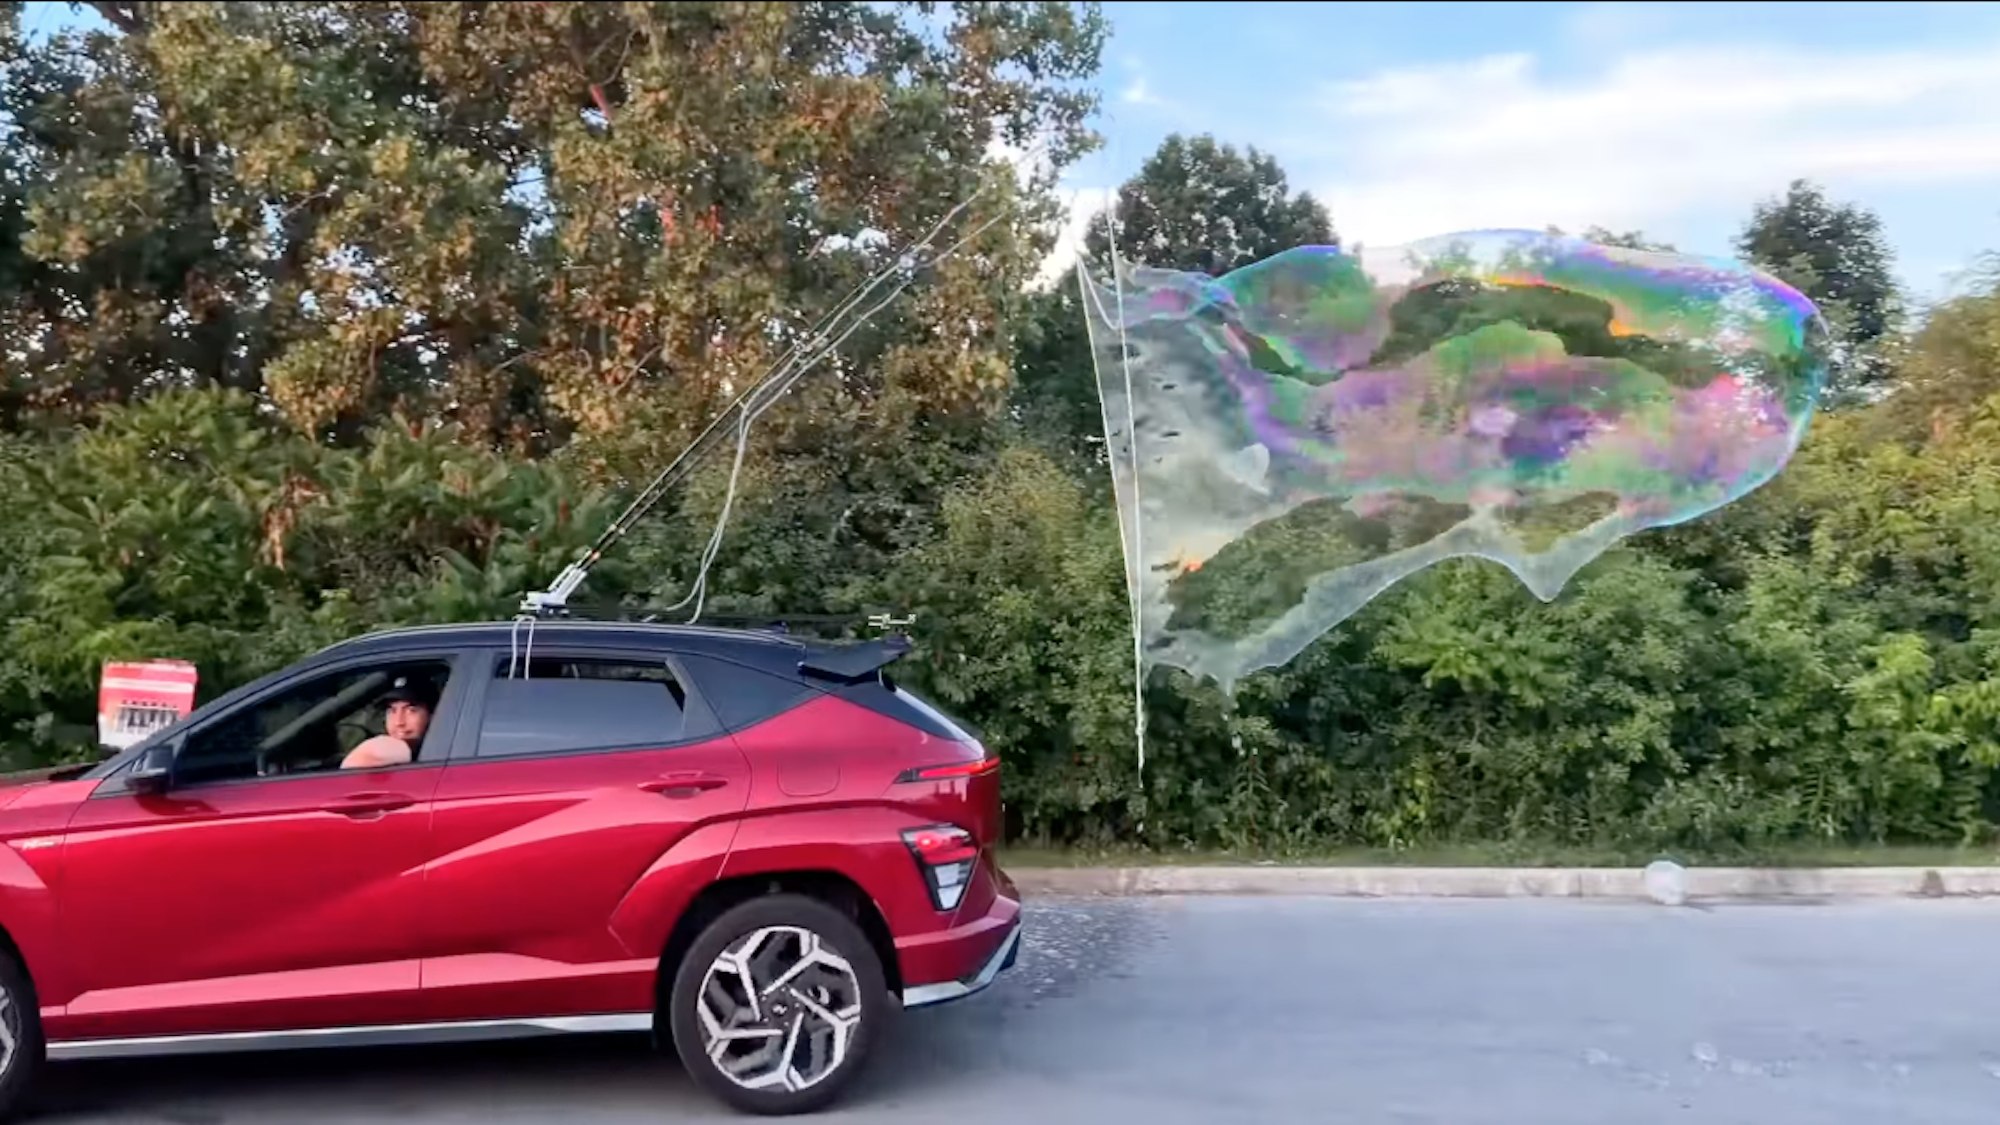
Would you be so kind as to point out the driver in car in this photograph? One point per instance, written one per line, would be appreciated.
(410, 704)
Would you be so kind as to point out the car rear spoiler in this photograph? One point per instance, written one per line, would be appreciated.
(853, 663)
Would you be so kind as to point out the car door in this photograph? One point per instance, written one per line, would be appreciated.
(577, 772)
(265, 889)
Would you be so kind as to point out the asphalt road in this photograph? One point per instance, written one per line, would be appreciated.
(1317, 1011)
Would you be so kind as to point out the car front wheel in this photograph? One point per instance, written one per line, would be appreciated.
(21, 1049)
(776, 1004)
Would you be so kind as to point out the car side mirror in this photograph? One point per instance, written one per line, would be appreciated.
(153, 772)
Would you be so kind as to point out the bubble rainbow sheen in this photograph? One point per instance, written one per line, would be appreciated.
(1322, 423)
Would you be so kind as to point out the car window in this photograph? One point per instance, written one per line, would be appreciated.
(306, 728)
(742, 696)
(556, 705)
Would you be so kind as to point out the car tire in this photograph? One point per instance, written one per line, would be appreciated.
(20, 1038)
(800, 1044)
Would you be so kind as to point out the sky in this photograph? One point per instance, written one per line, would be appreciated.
(1416, 119)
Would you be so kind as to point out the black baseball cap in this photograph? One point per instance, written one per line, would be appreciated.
(411, 689)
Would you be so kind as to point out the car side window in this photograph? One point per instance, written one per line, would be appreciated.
(307, 728)
(557, 705)
(743, 697)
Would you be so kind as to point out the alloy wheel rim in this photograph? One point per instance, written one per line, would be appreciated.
(779, 1009)
(10, 1031)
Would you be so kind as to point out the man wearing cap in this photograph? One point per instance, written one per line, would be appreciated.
(408, 717)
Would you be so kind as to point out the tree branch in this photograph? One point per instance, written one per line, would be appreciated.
(124, 17)
(583, 62)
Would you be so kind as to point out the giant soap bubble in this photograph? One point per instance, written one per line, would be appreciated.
(1292, 438)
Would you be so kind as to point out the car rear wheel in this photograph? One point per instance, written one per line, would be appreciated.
(776, 1004)
(21, 1048)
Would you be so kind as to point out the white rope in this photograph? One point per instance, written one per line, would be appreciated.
(514, 644)
(1112, 221)
(791, 368)
(699, 593)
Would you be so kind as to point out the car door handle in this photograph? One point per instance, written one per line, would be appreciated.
(683, 786)
(361, 804)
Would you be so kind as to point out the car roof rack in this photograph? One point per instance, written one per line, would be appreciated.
(786, 624)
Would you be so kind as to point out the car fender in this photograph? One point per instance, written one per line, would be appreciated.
(30, 872)
(862, 843)
(28, 912)
(647, 913)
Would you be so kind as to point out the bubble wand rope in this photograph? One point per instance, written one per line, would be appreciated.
(1135, 528)
(804, 355)
(1138, 525)
(771, 392)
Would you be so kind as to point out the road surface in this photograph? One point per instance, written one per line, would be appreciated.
(1320, 1011)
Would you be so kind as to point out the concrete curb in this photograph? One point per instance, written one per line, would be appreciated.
(1702, 883)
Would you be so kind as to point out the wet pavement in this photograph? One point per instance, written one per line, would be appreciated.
(1320, 1011)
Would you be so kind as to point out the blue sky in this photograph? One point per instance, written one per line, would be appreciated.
(43, 17)
(1423, 118)
(1414, 119)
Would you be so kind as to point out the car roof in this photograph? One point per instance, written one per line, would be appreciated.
(752, 645)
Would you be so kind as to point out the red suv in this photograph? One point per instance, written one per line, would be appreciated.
(755, 847)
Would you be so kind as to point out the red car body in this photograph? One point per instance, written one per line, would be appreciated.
(482, 892)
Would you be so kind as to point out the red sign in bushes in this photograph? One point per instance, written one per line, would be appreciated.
(136, 698)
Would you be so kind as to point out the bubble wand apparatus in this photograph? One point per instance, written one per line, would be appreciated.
(803, 356)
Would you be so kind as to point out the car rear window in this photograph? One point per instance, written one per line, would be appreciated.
(571, 706)
(884, 696)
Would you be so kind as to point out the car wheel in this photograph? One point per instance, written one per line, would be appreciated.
(776, 1004)
(21, 1048)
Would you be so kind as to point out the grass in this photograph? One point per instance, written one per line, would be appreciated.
(1507, 855)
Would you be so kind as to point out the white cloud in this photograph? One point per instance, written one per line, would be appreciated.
(1083, 204)
(1139, 93)
(1495, 142)
(1616, 25)
(1079, 205)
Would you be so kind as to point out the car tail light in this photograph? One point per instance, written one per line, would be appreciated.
(950, 771)
(945, 854)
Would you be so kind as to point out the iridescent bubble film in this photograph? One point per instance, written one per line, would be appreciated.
(1292, 438)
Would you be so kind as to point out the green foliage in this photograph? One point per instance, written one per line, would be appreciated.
(1196, 204)
(535, 221)
(1024, 628)
(328, 322)
(192, 526)
(1816, 664)
(1200, 205)
(1054, 397)
(1837, 254)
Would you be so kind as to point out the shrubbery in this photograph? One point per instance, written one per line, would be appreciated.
(1816, 664)
(320, 324)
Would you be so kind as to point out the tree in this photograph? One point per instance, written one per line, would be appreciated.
(1203, 206)
(1194, 205)
(1629, 240)
(1023, 589)
(538, 220)
(333, 316)
(193, 524)
(557, 229)
(565, 232)
(1836, 254)
(1950, 364)
(1055, 402)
